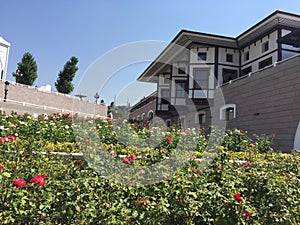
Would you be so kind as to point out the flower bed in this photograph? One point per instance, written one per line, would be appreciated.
(50, 189)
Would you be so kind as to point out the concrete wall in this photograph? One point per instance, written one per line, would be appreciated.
(21, 98)
(268, 102)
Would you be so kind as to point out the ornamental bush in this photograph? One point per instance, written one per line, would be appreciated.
(241, 185)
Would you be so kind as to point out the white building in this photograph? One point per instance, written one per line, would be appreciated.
(4, 51)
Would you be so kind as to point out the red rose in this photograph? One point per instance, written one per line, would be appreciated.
(125, 160)
(169, 139)
(4, 139)
(1, 167)
(247, 214)
(19, 183)
(238, 197)
(11, 137)
(38, 180)
(219, 167)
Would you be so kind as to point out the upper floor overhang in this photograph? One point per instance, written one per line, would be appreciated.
(185, 39)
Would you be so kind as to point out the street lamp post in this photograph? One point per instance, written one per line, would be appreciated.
(96, 96)
(19, 75)
(6, 84)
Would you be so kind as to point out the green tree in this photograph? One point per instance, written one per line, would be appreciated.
(63, 83)
(27, 70)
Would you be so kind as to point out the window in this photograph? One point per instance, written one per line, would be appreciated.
(167, 79)
(202, 56)
(246, 56)
(181, 87)
(265, 63)
(201, 78)
(143, 116)
(165, 95)
(265, 46)
(181, 70)
(168, 123)
(138, 118)
(246, 71)
(200, 118)
(150, 115)
(228, 112)
(181, 122)
(229, 58)
(229, 75)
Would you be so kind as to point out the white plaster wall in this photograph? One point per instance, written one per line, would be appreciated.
(222, 56)
(255, 50)
(210, 55)
(4, 51)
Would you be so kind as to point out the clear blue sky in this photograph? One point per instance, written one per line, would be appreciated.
(53, 31)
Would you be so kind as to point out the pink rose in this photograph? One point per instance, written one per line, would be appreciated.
(142, 172)
(248, 164)
(133, 157)
(193, 157)
(187, 131)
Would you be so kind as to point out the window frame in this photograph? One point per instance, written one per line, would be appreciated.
(164, 100)
(181, 90)
(195, 84)
(230, 59)
(168, 123)
(150, 113)
(265, 47)
(224, 112)
(264, 63)
(200, 58)
(197, 117)
(181, 70)
(235, 74)
(246, 56)
(246, 71)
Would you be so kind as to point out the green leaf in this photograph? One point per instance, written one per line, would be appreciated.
(6, 174)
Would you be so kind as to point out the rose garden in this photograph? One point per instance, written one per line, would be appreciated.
(122, 177)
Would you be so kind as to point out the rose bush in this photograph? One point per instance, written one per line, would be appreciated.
(246, 183)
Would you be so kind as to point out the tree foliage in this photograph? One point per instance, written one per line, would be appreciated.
(26, 72)
(63, 83)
